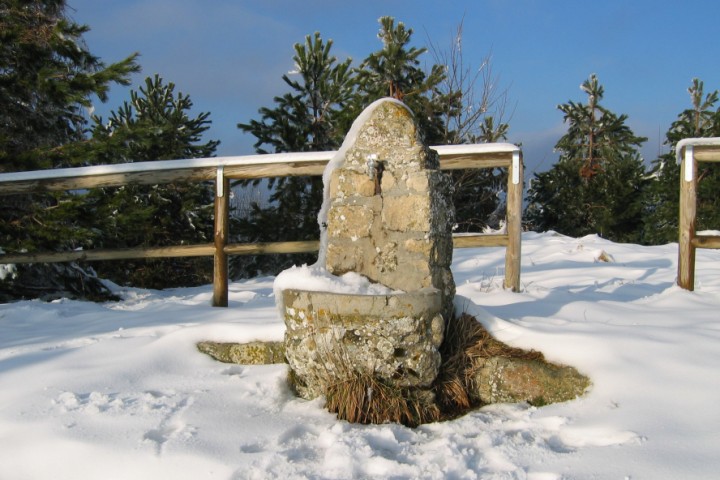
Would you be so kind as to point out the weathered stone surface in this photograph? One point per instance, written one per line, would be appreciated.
(347, 256)
(351, 184)
(407, 213)
(386, 193)
(252, 353)
(356, 221)
(392, 337)
(510, 380)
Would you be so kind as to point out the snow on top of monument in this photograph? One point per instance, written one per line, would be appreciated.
(353, 133)
(314, 278)
(692, 142)
(441, 149)
(350, 140)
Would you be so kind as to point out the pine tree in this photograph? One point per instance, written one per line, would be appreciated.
(154, 125)
(597, 184)
(662, 200)
(395, 71)
(47, 80)
(311, 117)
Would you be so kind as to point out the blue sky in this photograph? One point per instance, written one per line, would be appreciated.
(229, 55)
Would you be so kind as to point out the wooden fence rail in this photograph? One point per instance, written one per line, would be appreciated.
(690, 151)
(222, 169)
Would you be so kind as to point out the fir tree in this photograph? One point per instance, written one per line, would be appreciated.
(662, 200)
(311, 117)
(447, 110)
(395, 71)
(47, 80)
(154, 125)
(597, 184)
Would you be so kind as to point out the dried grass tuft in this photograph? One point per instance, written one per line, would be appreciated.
(362, 398)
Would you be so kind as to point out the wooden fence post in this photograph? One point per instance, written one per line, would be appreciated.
(514, 222)
(220, 265)
(688, 206)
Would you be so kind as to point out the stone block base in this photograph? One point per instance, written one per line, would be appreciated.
(392, 337)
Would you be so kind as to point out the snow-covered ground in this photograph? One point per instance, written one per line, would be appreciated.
(118, 390)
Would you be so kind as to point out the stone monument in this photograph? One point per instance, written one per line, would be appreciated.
(365, 324)
(387, 216)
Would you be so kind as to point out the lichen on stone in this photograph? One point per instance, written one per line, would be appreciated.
(251, 353)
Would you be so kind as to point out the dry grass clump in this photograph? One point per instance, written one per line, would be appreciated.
(362, 398)
(466, 344)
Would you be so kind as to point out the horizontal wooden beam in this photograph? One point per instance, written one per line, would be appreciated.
(706, 241)
(106, 180)
(110, 254)
(247, 167)
(448, 162)
(208, 250)
(476, 160)
(706, 153)
(292, 169)
(480, 240)
(270, 248)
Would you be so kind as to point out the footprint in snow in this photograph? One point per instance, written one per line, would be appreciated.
(170, 427)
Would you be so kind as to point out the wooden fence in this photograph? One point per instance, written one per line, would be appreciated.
(690, 151)
(222, 169)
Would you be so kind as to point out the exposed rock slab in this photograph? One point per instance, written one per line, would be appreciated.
(251, 353)
(512, 380)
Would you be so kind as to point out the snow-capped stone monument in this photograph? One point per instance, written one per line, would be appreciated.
(386, 216)
(365, 324)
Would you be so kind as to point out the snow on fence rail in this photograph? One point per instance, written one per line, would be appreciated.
(222, 169)
(690, 151)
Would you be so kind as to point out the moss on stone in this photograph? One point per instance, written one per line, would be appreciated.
(252, 353)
